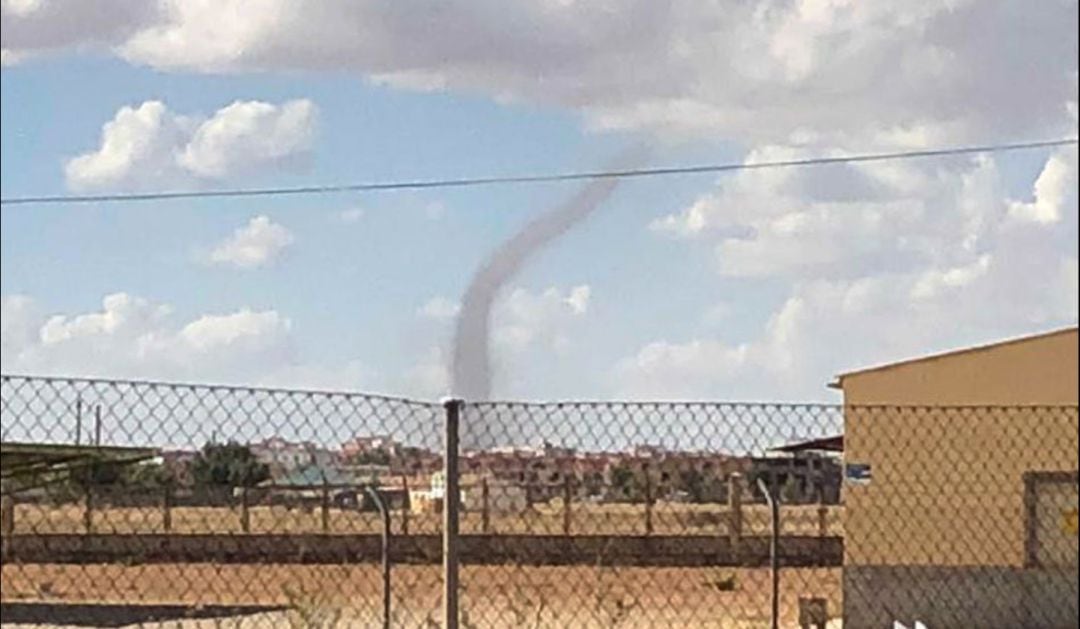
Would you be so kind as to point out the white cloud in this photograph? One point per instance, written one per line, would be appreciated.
(247, 136)
(9, 58)
(138, 148)
(439, 308)
(151, 147)
(19, 324)
(134, 337)
(526, 320)
(350, 216)
(933, 282)
(429, 378)
(33, 27)
(828, 327)
(928, 257)
(845, 221)
(530, 330)
(802, 72)
(255, 245)
(578, 299)
(1055, 184)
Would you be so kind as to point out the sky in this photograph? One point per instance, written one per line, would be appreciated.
(752, 285)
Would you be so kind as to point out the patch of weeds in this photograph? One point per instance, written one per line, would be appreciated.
(724, 582)
(307, 611)
(612, 603)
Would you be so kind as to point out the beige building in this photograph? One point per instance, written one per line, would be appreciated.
(961, 487)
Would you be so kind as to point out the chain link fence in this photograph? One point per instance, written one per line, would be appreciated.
(192, 505)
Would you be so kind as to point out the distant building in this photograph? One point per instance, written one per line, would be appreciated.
(802, 472)
(363, 445)
(283, 456)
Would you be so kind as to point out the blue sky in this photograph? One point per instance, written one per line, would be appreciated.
(745, 286)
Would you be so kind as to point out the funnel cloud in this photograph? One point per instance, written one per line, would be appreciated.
(471, 362)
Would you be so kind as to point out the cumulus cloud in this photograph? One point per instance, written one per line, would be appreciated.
(529, 327)
(802, 72)
(845, 221)
(134, 337)
(19, 323)
(9, 58)
(255, 245)
(149, 146)
(525, 320)
(35, 27)
(248, 135)
(959, 267)
(1055, 184)
(131, 336)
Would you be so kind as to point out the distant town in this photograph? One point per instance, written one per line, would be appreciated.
(515, 478)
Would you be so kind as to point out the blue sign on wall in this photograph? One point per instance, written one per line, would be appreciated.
(859, 473)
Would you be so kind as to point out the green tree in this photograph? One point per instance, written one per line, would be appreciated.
(789, 491)
(624, 482)
(228, 465)
(693, 483)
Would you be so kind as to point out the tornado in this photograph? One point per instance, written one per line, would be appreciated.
(471, 373)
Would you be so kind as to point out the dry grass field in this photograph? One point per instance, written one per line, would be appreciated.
(609, 519)
(493, 596)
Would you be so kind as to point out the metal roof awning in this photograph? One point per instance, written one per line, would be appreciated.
(21, 459)
(822, 444)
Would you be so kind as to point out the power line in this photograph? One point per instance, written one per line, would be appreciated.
(422, 184)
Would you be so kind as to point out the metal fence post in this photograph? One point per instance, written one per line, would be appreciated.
(384, 513)
(774, 558)
(451, 504)
(485, 507)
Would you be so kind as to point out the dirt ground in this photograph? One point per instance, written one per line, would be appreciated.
(493, 596)
(611, 519)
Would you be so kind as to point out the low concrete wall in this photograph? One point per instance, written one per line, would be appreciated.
(475, 549)
(963, 597)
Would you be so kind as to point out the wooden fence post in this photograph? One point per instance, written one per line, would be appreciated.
(406, 505)
(88, 511)
(245, 515)
(568, 497)
(166, 507)
(7, 514)
(648, 503)
(485, 506)
(325, 507)
(823, 522)
(735, 515)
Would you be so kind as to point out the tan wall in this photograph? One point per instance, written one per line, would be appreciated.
(1040, 370)
(947, 486)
